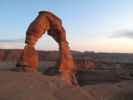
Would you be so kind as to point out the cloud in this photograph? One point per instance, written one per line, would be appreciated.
(12, 41)
(122, 33)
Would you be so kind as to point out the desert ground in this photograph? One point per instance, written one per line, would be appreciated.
(96, 84)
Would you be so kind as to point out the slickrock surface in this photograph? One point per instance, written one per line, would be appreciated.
(36, 86)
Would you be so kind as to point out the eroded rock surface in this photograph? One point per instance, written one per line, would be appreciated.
(35, 86)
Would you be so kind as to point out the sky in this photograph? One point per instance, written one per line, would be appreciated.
(91, 25)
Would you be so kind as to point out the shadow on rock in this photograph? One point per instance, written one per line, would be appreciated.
(51, 71)
(96, 77)
(123, 95)
(89, 77)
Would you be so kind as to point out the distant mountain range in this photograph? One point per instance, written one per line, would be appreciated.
(13, 55)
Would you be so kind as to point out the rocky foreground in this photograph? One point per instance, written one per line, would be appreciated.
(36, 86)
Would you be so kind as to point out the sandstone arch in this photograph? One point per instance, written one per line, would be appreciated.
(50, 23)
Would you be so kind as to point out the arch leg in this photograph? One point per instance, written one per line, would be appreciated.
(67, 66)
(28, 61)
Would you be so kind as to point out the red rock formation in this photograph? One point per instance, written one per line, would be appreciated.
(48, 22)
(85, 64)
(2, 55)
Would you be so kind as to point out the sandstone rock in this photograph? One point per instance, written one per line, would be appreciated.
(50, 23)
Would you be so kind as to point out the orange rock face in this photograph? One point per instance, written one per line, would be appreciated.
(50, 23)
(29, 59)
